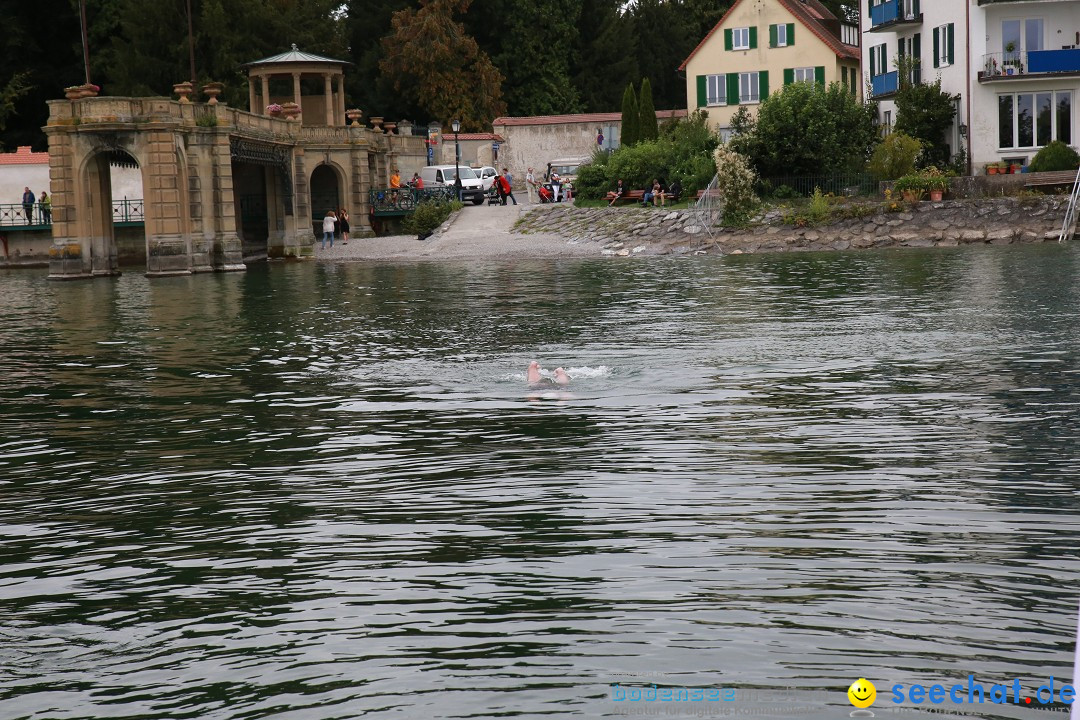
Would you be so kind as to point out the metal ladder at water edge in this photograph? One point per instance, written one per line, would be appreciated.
(1070, 211)
(708, 206)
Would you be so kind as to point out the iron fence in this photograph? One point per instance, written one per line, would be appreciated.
(402, 201)
(15, 215)
(803, 185)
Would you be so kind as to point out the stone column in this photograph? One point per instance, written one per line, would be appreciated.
(296, 89)
(265, 94)
(328, 97)
(227, 254)
(340, 99)
(168, 246)
(300, 238)
(251, 95)
(69, 256)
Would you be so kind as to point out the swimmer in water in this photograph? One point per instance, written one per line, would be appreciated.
(532, 375)
(561, 378)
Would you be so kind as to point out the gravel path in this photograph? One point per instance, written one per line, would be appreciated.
(482, 231)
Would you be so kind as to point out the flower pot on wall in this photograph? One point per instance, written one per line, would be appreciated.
(913, 196)
(184, 90)
(211, 91)
(936, 195)
(354, 115)
(290, 110)
(73, 93)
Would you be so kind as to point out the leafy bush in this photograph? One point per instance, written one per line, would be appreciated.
(806, 129)
(429, 215)
(735, 181)
(682, 152)
(926, 113)
(785, 192)
(1055, 156)
(894, 157)
(913, 183)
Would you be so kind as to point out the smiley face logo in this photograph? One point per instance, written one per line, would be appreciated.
(862, 693)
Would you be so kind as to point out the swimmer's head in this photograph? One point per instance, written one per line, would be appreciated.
(533, 374)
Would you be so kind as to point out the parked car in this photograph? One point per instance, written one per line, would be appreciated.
(567, 169)
(472, 188)
(487, 176)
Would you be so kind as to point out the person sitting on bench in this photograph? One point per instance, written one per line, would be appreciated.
(619, 190)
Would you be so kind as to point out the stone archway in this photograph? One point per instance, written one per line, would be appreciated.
(327, 193)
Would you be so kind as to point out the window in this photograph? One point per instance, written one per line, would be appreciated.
(888, 121)
(749, 87)
(781, 35)
(1021, 35)
(741, 38)
(878, 60)
(943, 45)
(716, 90)
(1029, 120)
(805, 74)
(843, 75)
(911, 48)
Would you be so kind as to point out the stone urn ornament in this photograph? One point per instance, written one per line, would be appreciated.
(389, 127)
(184, 90)
(376, 122)
(354, 116)
(211, 90)
(290, 110)
(274, 110)
(88, 90)
(73, 93)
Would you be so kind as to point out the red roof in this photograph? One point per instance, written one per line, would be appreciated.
(475, 136)
(23, 156)
(810, 13)
(584, 118)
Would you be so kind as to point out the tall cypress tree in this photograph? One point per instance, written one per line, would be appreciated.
(629, 134)
(647, 129)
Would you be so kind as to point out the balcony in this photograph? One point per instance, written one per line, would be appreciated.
(882, 85)
(1022, 64)
(892, 14)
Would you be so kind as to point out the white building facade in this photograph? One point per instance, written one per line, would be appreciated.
(933, 37)
(1014, 63)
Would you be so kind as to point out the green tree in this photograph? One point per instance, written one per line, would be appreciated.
(534, 46)
(666, 34)
(605, 41)
(440, 67)
(629, 134)
(805, 129)
(367, 22)
(647, 126)
(926, 113)
(894, 157)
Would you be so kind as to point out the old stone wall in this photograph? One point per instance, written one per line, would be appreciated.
(630, 230)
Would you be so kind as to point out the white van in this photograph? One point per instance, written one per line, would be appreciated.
(487, 176)
(472, 187)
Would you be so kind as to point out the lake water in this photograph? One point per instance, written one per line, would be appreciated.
(324, 491)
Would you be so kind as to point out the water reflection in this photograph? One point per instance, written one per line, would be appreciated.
(322, 491)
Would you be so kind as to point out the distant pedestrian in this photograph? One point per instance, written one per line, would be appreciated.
(530, 186)
(328, 224)
(507, 188)
(556, 185)
(28, 205)
(45, 205)
(620, 189)
(343, 225)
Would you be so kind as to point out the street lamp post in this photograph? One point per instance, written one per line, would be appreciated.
(455, 125)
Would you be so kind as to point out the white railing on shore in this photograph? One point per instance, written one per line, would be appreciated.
(1070, 211)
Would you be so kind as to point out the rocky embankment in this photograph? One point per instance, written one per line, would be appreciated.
(656, 231)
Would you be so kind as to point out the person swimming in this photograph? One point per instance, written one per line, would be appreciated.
(535, 379)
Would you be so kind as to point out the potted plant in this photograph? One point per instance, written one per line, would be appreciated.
(912, 187)
(89, 90)
(290, 110)
(74, 92)
(273, 110)
(937, 182)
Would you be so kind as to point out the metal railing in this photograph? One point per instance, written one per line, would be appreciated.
(1030, 62)
(14, 215)
(884, 84)
(401, 201)
(846, 184)
(1070, 211)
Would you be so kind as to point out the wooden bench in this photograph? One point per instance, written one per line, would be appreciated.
(1049, 179)
(715, 192)
(635, 195)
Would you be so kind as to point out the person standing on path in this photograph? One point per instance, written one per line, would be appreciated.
(556, 184)
(328, 224)
(45, 206)
(530, 186)
(343, 224)
(507, 188)
(28, 205)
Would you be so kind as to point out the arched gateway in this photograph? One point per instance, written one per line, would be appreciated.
(221, 186)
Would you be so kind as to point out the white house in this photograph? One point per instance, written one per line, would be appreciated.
(1014, 63)
(1025, 77)
(933, 35)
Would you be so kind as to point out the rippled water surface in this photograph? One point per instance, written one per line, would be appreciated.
(318, 491)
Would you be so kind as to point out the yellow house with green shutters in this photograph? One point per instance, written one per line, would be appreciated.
(800, 41)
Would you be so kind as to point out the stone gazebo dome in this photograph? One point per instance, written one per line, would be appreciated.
(327, 108)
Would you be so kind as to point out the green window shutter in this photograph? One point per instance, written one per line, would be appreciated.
(843, 75)
(789, 75)
(728, 44)
(949, 42)
(916, 47)
(702, 91)
(753, 37)
(937, 44)
(900, 48)
(763, 84)
(819, 75)
(918, 10)
(772, 36)
(790, 34)
(873, 63)
(733, 89)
